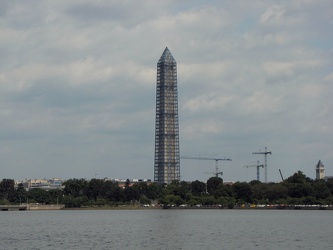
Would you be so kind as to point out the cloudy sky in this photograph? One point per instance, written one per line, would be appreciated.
(78, 84)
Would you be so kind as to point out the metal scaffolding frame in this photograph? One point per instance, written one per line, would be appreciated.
(167, 163)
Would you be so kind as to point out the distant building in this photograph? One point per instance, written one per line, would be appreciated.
(320, 171)
(130, 182)
(54, 183)
(167, 164)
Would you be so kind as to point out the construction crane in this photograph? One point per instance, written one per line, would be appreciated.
(258, 166)
(217, 173)
(281, 174)
(264, 153)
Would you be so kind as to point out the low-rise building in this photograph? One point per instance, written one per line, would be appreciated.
(46, 184)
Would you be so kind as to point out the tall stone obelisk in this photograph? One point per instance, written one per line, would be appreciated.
(167, 163)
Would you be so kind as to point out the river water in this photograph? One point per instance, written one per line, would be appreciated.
(166, 229)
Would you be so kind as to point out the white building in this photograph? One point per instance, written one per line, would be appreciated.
(320, 171)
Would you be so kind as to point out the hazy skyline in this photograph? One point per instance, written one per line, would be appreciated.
(78, 85)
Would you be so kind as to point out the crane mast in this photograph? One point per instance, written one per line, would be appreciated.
(264, 153)
(258, 171)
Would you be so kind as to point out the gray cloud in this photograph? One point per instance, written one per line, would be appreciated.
(77, 86)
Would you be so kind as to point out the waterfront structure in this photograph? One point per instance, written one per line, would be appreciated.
(45, 184)
(320, 171)
(167, 162)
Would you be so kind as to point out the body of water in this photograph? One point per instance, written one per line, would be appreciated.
(166, 229)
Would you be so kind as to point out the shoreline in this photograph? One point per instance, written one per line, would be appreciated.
(41, 207)
(200, 208)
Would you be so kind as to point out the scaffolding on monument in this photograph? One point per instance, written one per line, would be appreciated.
(167, 163)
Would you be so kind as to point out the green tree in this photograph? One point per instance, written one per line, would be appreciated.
(172, 200)
(155, 191)
(299, 185)
(258, 191)
(228, 202)
(320, 189)
(94, 189)
(56, 196)
(213, 184)
(131, 194)
(173, 188)
(184, 189)
(7, 189)
(208, 200)
(223, 191)
(329, 184)
(114, 193)
(298, 190)
(111, 191)
(142, 188)
(275, 192)
(309, 200)
(299, 178)
(20, 194)
(72, 202)
(198, 188)
(39, 195)
(242, 191)
(75, 187)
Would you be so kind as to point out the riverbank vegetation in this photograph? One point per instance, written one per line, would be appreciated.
(297, 189)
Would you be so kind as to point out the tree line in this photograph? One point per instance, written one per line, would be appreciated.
(297, 189)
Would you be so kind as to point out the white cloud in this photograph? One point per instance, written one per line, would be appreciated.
(329, 78)
(274, 13)
(262, 103)
(206, 103)
(311, 90)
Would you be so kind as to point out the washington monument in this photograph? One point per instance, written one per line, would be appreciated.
(167, 164)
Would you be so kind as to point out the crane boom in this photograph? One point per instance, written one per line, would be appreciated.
(208, 159)
(205, 158)
(281, 174)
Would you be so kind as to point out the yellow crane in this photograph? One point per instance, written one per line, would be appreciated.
(217, 173)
